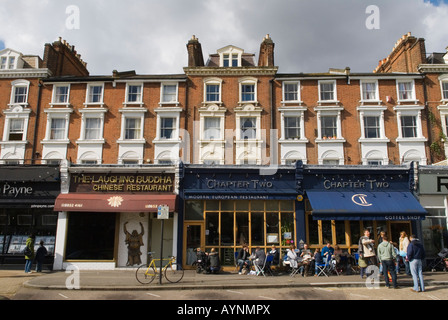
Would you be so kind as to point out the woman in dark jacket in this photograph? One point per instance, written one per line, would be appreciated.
(41, 252)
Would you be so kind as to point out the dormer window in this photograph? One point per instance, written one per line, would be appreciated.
(230, 56)
(10, 59)
(230, 60)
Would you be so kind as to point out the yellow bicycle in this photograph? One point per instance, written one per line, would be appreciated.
(146, 273)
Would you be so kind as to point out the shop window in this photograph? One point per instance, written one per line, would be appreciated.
(24, 220)
(287, 228)
(90, 236)
(272, 228)
(340, 232)
(212, 229)
(4, 221)
(355, 232)
(272, 205)
(49, 220)
(257, 205)
(227, 228)
(242, 205)
(257, 228)
(313, 231)
(242, 228)
(212, 205)
(227, 205)
(194, 210)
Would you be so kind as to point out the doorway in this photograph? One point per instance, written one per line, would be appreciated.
(194, 238)
(396, 228)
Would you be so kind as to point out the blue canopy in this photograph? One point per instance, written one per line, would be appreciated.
(365, 205)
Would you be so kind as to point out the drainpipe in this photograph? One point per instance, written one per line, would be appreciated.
(36, 125)
(425, 94)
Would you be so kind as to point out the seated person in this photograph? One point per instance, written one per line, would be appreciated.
(275, 252)
(201, 260)
(292, 256)
(243, 258)
(327, 252)
(306, 258)
(340, 257)
(260, 257)
(213, 258)
(317, 260)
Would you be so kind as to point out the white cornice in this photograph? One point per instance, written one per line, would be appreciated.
(26, 73)
(231, 71)
(439, 68)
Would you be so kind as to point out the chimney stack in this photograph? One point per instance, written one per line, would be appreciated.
(195, 58)
(266, 57)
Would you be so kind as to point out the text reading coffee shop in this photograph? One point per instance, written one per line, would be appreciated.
(108, 217)
(228, 206)
(341, 202)
(27, 196)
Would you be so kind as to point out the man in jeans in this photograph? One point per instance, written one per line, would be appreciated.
(387, 256)
(415, 255)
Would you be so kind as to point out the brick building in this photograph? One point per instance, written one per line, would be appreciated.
(113, 135)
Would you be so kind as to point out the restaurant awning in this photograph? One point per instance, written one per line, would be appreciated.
(364, 205)
(114, 202)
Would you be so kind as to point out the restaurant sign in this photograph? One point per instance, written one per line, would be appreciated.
(122, 183)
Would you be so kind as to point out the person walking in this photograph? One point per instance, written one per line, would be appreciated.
(415, 255)
(387, 256)
(403, 247)
(41, 252)
(29, 253)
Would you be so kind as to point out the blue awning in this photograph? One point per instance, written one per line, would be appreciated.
(364, 205)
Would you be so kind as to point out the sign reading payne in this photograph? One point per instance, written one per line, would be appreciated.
(122, 183)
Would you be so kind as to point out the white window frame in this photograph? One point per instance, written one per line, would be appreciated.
(377, 94)
(57, 113)
(54, 94)
(213, 82)
(133, 103)
(410, 111)
(92, 114)
(19, 84)
(284, 84)
(162, 93)
(413, 95)
(10, 60)
(372, 112)
(88, 91)
(335, 91)
(230, 50)
(443, 80)
(248, 81)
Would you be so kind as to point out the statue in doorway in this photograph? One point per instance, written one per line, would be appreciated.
(134, 241)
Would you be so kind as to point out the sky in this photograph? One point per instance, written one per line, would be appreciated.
(150, 36)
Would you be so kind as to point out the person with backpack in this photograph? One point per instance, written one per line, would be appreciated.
(387, 256)
(29, 253)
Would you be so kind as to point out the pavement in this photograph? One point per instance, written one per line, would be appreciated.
(124, 279)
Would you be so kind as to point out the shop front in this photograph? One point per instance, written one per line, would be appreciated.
(343, 201)
(228, 206)
(27, 197)
(433, 193)
(108, 216)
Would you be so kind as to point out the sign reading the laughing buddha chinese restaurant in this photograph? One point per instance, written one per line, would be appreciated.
(122, 183)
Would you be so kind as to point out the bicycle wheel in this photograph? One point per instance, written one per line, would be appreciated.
(174, 272)
(145, 274)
